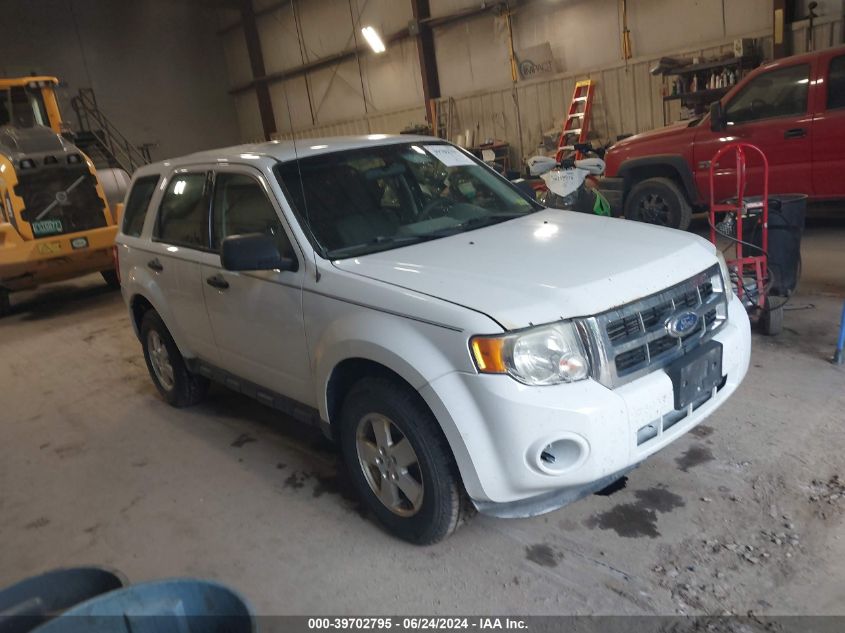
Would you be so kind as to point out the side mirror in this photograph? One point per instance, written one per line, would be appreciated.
(717, 117)
(254, 251)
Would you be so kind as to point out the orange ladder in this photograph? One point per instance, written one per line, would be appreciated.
(577, 121)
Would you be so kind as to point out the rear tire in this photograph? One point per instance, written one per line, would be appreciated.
(427, 502)
(111, 279)
(659, 201)
(176, 384)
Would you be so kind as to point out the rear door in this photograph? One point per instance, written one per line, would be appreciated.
(773, 112)
(829, 129)
(256, 315)
(179, 248)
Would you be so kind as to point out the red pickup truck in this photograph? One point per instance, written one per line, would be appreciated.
(793, 109)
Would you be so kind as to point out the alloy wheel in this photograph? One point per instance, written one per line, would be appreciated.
(160, 360)
(654, 209)
(390, 464)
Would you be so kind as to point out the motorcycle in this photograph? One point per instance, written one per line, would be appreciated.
(566, 182)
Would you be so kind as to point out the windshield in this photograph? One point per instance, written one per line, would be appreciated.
(377, 198)
(22, 107)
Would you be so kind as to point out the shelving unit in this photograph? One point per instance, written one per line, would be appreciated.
(698, 100)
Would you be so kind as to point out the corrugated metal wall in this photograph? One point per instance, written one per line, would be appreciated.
(628, 98)
(391, 122)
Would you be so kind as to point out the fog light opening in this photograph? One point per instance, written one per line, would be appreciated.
(559, 456)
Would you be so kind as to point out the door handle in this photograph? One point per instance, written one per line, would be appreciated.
(155, 265)
(216, 281)
(796, 132)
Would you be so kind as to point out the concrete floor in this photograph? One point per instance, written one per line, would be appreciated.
(740, 515)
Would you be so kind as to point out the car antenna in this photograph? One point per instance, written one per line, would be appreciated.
(317, 274)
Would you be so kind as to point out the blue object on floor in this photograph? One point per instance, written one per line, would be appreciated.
(29, 603)
(838, 355)
(161, 606)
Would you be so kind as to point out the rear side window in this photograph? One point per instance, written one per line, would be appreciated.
(777, 93)
(137, 204)
(836, 84)
(183, 215)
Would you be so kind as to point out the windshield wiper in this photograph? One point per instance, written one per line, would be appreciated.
(378, 243)
(474, 223)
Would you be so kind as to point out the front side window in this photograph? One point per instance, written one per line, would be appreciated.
(836, 83)
(777, 93)
(183, 215)
(22, 107)
(137, 203)
(377, 198)
(241, 207)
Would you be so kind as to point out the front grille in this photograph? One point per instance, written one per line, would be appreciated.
(60, 199)
(633, 340)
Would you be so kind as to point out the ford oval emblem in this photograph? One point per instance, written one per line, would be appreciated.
(679, 325)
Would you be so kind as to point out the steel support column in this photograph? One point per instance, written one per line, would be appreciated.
(256, 62)
(783, 13)
(428, 60)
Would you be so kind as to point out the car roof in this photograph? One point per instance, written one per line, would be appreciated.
(282, 151)
(799, 59)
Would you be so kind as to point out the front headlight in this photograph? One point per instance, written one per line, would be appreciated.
(545, 355)
(726, 276)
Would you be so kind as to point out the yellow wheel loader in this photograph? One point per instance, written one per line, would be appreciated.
(55, 219)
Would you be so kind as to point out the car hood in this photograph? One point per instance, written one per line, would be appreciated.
(544, 267)
(676, 129)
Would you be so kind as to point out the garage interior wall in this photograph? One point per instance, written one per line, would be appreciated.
(385, 93)
(160, 80)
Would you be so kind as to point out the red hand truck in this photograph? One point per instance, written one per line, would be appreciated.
(752, 265)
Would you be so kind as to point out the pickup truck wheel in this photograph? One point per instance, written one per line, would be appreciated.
(659, 201)
(400, 462)
(178, 386)
(110, 277)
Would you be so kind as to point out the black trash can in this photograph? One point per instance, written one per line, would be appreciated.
(787, 213)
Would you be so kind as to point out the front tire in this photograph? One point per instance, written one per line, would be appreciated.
(400, 462)
(659, 201)
(176, 384)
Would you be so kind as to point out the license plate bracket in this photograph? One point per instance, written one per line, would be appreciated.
(695, 374)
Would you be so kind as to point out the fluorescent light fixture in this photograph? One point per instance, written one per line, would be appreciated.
(319, 146)
(373, 39)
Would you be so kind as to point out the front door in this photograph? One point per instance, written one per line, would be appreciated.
(829, 132)
(256, 316)
(772, 111)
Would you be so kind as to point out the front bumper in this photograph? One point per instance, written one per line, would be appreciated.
(27, 263)
(499, 428)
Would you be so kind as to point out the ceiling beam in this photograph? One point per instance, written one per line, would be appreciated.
(336, 58)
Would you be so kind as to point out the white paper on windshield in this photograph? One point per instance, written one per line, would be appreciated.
(448, 155)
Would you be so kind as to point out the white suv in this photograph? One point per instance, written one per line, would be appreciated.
(459, 341)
